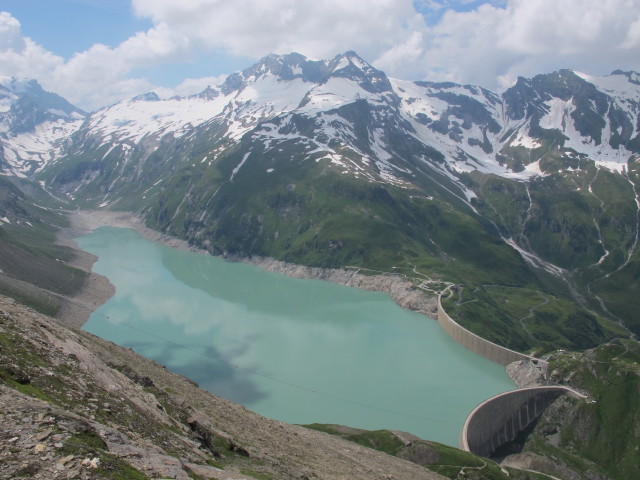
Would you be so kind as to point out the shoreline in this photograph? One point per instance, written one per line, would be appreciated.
(97, 288)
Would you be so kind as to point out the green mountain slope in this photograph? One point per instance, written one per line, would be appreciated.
(33, 267)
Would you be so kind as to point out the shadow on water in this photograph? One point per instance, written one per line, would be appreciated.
(209, 368)
(300, 351)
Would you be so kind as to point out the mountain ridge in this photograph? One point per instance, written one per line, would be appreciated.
(33, 125)
(329, 163)
(527, 202)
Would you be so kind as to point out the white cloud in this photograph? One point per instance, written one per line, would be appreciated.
(255, 28)
(20, 56)
(491, 45)
(10, 38)
(488, 43)
(468, 41)
(97, 76)
(190, 86)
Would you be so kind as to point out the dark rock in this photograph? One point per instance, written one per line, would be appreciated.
(29, 470)
(18, 375)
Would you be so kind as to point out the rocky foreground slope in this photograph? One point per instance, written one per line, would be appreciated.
(75, 406)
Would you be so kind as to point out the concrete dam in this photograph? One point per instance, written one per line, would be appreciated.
(499, 419)
(489, 350)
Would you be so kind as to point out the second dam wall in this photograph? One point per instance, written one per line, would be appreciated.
(489, 350)
(499, 419)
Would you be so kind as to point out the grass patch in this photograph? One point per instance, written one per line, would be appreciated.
(526, 319)
(439, 458)
(88, 444)
(257, 475)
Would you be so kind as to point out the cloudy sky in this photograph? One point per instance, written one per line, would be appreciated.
(96, 52)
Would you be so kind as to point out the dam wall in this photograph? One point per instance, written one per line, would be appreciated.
(499, 420)
(489, 350)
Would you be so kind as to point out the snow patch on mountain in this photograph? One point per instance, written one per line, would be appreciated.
(132, 120)
(34, 125)
(28, 152)
(292, 99)
(262, 99)
(617, 84)
(559, 114)
(237, 169)
(471, 146)
(522, 138)
(560, 117)
(335, 93)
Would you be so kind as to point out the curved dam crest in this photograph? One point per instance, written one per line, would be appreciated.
(485, 348)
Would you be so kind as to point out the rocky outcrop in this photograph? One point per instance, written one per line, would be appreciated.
(401, 290)
(525, 373)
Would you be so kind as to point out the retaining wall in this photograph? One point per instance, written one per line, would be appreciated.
(485, 348)
(499, 419)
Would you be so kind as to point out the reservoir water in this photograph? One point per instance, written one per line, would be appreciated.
(300, 351)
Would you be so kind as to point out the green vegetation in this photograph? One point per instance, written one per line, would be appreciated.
(31, 264)
(255, 474)
(584, 220)
(88, 444)
(27, 294)
(382, 440)
(312, 214)
(527, 319)
(600, 434)
(442, 459)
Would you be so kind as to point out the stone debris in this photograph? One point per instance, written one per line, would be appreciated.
(91, 462)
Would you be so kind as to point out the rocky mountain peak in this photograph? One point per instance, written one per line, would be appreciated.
(146, 97)
(24, 105)
(18, 85)
(351, 66)
(632, 77)
(32, 124)
(282, 67)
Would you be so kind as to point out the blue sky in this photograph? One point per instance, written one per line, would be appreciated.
(69, 26)
(96, 52)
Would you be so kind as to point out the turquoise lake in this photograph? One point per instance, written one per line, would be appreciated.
(300, 351)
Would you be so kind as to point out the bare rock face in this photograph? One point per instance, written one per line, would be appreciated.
(525, 374)
(401, 290)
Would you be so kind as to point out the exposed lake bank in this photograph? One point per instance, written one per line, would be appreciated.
(98, 289)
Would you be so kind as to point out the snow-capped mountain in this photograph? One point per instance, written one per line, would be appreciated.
(33, 125)
(275, 85)
(468, 127)
(595, 117)
(330, 162)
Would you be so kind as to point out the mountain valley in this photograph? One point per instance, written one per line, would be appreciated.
(333, 164)
(525, 203)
